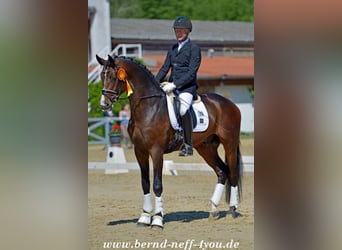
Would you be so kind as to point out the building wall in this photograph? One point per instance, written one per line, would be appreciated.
(100, 30)
(241, 97)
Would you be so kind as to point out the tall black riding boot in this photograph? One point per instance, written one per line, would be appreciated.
(187, 135)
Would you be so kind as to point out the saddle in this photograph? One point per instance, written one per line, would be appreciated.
(197, 110)
(176, 106)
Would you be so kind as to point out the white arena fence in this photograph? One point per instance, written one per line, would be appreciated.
(169, 167)
(116, 161)
(95, 122)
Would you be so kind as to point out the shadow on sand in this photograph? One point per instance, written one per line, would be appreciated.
(181, 216)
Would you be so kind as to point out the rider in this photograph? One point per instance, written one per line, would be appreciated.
(184, 59)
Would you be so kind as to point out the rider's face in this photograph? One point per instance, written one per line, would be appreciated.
(181, 34)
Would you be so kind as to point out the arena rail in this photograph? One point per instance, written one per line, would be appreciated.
(95, 122)
(170, 167)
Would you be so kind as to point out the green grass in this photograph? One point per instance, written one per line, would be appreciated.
(246, 135)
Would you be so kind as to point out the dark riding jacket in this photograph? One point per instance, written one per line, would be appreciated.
(184, 65)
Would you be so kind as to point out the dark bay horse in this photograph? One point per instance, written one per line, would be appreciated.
(152, 135)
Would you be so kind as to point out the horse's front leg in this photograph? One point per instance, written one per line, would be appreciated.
(157, 159)
(142, 158)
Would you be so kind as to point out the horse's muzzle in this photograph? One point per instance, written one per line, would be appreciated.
(106, 107)
(107, 92)
(107, 99)
(113, 96)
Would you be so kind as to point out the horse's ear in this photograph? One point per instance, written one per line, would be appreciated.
(110, 58)
(100, 60)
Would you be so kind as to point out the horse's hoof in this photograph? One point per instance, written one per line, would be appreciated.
(143, 224)
(157, 227)
(157, 222)
(232, 211)
(144, 220)
(213, 215)
(236, 215)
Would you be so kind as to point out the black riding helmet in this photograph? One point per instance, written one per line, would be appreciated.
(183, 23)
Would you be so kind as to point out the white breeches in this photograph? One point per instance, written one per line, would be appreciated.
(185, 102)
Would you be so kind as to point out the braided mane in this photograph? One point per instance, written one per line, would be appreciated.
(143, 67)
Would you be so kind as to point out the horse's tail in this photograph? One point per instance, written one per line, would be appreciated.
(239, 170)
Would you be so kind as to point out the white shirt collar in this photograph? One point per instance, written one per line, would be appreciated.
(181, 44)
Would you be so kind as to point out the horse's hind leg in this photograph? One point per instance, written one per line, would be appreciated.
(233, 158)
(209, 152)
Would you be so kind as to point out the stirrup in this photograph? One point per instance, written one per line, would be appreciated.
(186, 151)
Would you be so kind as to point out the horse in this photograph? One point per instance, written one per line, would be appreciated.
(153, 136)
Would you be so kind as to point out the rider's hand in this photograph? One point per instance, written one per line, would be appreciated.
(167, 86)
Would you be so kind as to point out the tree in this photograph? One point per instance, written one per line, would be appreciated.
(223, 10)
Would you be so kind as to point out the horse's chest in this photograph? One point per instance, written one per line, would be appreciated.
(141, 135)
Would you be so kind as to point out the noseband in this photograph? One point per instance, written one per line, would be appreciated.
(109, 92)
(112, 95)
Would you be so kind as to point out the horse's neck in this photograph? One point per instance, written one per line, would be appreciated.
(146, 91)
(144, 87)
(142, 81)
(149, 107)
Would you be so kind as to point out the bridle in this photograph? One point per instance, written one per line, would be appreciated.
(121, 76)
(113, 96)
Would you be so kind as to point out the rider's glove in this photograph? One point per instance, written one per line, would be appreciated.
(167, 86)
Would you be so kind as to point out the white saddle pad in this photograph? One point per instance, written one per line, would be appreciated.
(201, 116)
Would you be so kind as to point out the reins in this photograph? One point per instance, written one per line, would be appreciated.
(141, 97)
(150, 96)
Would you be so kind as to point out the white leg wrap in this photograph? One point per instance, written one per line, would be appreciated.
(234, 196)
(216, 198)
(147, 203)
(145, 218)
(157, 221)
(159, 205)
(213, 207)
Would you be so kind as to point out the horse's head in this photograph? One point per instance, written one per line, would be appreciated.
(114, 82)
